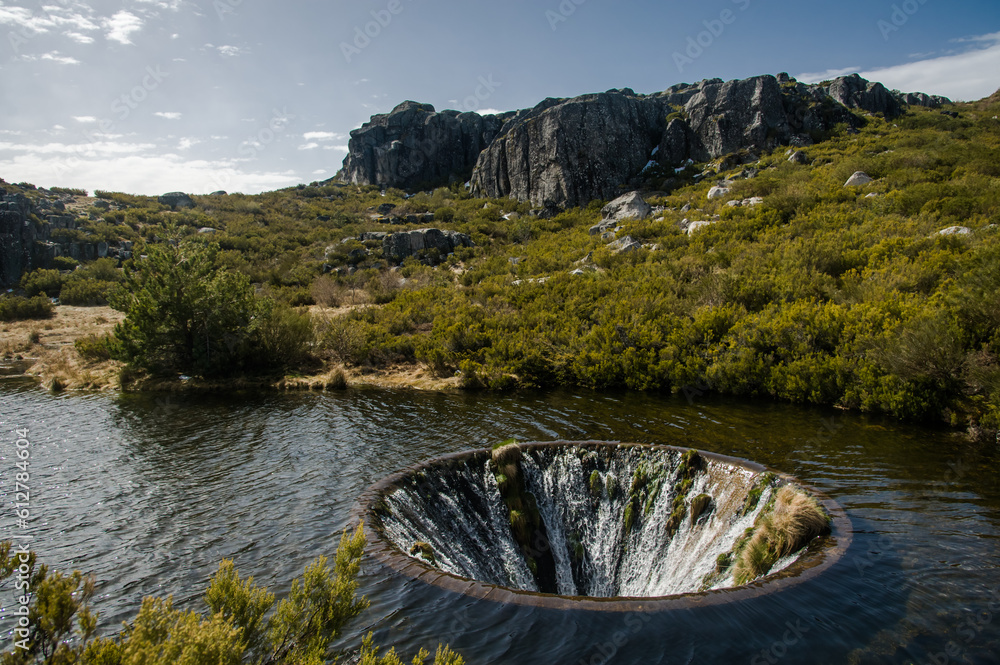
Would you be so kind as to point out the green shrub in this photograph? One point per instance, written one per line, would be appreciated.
(94, 348)
(64, 263)
(49, 282)
(85, 292)
(17, 308)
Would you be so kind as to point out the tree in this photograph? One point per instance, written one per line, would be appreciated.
(186, 313)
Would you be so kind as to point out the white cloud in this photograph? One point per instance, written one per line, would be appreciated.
(169, 115)
(186, 143)
(172, 5)
(143, 173)
(319, 172)
(489, 111)
(89, 150)
(25, 18)
(322, 136)
(969, 75)
(57, 58)
(816, 77)
(85, 118)
(121, 25)
(229, 51)
(80, 38)
(338, 148)
(309, 146)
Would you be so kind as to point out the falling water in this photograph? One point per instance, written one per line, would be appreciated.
(457, 510)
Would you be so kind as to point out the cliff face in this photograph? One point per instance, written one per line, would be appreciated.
(414, 145)
(567, 152)
(17, 237)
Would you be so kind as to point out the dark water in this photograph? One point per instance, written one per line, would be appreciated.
(149, 493)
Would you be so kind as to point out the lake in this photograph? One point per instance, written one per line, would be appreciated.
(150, 492)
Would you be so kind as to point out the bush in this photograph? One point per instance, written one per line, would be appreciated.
(49, 282)
(64, 263)
(85, 292)
(94, 348)
(187, 314)
(17, 308)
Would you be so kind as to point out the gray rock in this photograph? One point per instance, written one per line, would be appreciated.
(565, 153)
(414, 145)
(629, 206)
(697, 226)
(397, 247)
(859, 179)
(176, 200)
(799, 157)
(606, 225)
(221, 192)
(955, 231)
(568, 152)
(206, 230)
(625, 245)
(718, 193)
(385, 208)
(855, 92)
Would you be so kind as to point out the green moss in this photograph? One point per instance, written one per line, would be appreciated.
(595, 485)
(629, 517)
(425, 551)
(699, 505)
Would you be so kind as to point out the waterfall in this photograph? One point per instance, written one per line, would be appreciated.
(610, 514)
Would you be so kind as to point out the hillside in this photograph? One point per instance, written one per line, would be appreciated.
(766, 278)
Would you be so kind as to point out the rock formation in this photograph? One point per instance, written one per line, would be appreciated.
(568, 152)
(415, 146)
(17, 237)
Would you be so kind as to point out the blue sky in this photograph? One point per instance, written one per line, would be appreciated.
(149, 96)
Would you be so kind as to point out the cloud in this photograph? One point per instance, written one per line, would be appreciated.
(25, 18)
(816, 77)
(229, 51)
(322, 136)
(172, 5)
(85, 118)
(169, 115)
(186, 143)
(121, 25)
(969, 75)
(489, 111)
(80, 38)
(338, 148)
(309, 146)
(319, 172)
(55, 57)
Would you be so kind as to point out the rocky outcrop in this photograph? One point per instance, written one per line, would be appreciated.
(628, 206)
(416, 146)
(176, 200)
(432, 244)
(855, 92)
(568, 152)
(17, 237)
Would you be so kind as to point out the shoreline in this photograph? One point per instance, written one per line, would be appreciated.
(46, 350)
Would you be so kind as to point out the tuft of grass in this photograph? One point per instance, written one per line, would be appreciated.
(595, 485)
(793, 522)
(505, 454)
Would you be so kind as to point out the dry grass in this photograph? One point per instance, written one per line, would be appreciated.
(794, 521)
(507, 456)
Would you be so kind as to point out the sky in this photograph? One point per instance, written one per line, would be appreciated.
(152, 96)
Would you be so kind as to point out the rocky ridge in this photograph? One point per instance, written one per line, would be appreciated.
(567, 152)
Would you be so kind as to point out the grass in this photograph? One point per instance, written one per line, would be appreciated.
(794, 521)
